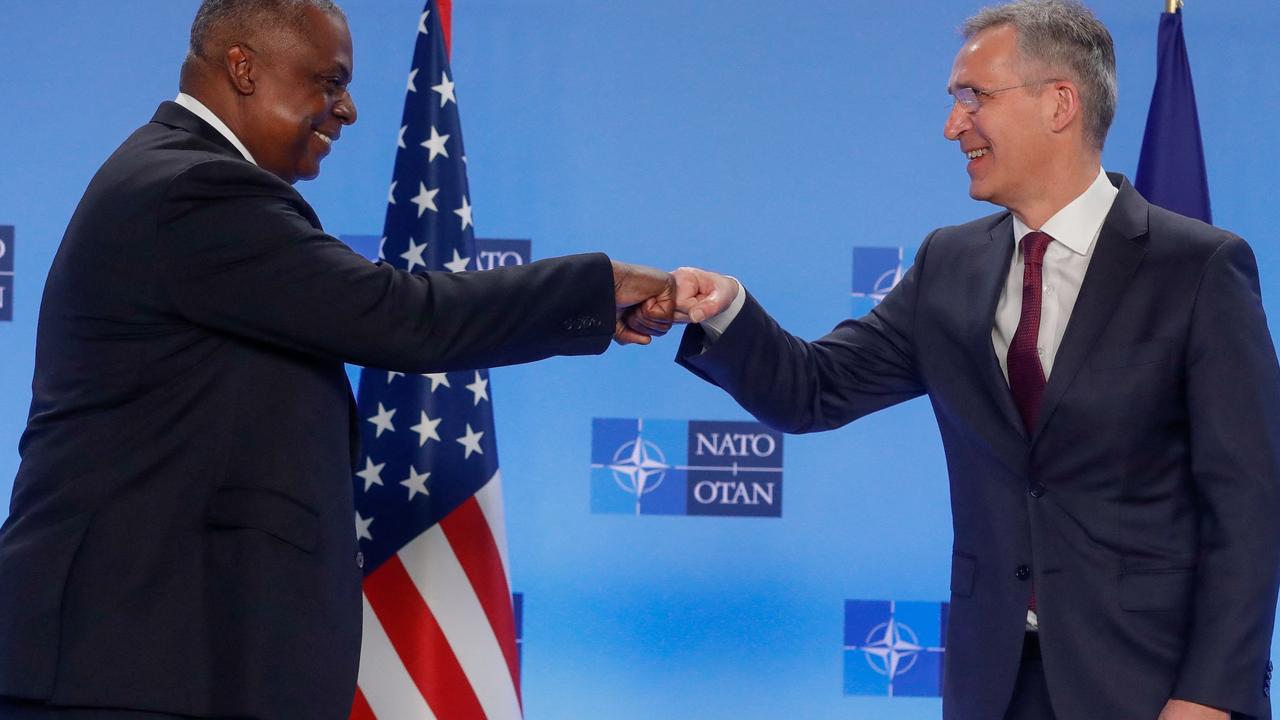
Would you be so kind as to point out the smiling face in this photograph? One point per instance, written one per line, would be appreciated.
(300, 101)
(1008, 138)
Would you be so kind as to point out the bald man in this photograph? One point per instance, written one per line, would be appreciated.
(180, 540)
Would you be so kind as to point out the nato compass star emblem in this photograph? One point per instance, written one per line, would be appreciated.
(891, 648)
(639, 467)
(894, 648)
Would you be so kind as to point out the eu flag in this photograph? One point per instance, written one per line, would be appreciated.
(1171, 168)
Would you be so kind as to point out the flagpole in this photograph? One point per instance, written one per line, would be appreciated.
(1171, 6)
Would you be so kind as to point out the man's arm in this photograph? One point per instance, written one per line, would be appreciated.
(790, 384)
(240, 258)
(1233, 399)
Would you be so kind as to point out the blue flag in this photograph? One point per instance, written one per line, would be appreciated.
(1171, 168)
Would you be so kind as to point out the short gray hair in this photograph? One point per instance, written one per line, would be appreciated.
(243, 17)
(1063, 35)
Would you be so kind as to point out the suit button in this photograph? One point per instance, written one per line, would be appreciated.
(1022, 573)
(360, 560)
(1037, 490)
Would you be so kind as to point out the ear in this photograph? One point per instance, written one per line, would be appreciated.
(1066, 104)
(239, 64)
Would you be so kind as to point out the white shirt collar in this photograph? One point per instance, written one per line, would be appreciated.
(1077, 225)
(199, 110)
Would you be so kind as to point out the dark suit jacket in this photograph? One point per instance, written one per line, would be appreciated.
(181, 535)
(1145, 504)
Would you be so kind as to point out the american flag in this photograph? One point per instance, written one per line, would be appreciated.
(439, 631)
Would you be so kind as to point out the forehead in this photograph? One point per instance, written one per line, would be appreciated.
(989, 56)
(323, 39)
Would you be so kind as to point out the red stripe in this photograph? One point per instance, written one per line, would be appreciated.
(472, 542)
(446, 23)
(420, 643)
(360, 709)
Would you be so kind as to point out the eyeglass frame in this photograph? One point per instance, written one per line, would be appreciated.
(974, 103)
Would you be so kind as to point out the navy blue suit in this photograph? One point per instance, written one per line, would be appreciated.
(1144, 506)
(181, 534)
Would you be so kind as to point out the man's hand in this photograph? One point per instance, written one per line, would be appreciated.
(1183, 710)
(646, 302)
(701, 294)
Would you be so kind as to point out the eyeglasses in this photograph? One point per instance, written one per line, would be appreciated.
(971, 99)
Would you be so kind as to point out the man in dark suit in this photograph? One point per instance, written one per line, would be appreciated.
(180, 542)
(1107, 393)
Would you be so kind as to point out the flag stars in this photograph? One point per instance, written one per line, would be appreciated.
(435, 144)
(422, 23)
(413, 256)
(382, 249)
(426, 199)
(464, 212)
(445, 89)
(471, 441)
(400, 140)
(437, 379)
(362, 527)
(479, 388)
(382, 420)
(426, 429)
(458, 264)
(392, 375)
(391, 193)
(416, 482)
(371, 474)
(413, 75)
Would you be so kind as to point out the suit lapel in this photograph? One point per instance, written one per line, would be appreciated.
(1121, 247)
(991, 270)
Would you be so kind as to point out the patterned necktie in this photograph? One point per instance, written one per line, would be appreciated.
(1026, 375)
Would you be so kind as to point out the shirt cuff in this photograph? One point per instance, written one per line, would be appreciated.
(715, 326)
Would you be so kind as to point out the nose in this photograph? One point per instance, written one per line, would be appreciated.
(345, 109)
(958, 120)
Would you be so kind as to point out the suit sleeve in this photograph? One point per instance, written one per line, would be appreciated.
(797, 386)
(238, 255)
(1233, 393)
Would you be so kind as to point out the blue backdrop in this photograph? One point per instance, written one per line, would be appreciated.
(762, 139)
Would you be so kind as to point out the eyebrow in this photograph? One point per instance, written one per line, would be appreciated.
(342, 70)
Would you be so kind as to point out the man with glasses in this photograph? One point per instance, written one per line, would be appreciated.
(1107, 394)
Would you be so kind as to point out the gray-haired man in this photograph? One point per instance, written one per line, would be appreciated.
(1107, 393)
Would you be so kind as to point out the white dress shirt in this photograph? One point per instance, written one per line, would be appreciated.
(1074, 228)
(205, 114)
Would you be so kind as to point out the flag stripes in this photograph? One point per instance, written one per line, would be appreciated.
(431, 562)
(468, 534)
(385, 683)
(420, 642)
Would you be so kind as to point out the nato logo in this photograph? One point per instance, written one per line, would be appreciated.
(6, 273)
(894, 648)
(876, 271)
(517, 607)
(492, 254)
(673, 467)
(489, 254)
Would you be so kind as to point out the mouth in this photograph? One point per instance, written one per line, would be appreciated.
(977, 153)
(326, 139)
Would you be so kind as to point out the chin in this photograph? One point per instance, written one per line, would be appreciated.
(308, 173)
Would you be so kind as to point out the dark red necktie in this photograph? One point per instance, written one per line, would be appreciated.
(1026, 374)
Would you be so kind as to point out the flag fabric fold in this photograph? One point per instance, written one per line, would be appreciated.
(439, 629)
(1171, 170)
